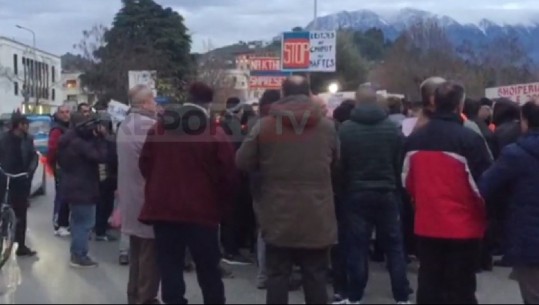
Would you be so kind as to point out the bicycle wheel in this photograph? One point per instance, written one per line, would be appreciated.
(7, 234)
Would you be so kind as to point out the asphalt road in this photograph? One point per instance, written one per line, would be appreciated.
(48, 279)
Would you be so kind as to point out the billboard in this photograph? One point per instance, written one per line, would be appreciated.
(147, 78)
(267, 79)
(309, 51)
(520, 93)
(266, 73)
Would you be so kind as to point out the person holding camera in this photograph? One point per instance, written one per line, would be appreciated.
(80, 152)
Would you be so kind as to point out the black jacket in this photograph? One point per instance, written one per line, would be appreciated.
(79, 160)
(371, 147)
(17, 155)
(504, 135)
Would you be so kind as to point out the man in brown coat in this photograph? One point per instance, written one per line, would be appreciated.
(293, 149)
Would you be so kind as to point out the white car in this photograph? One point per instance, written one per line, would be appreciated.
(39, 182)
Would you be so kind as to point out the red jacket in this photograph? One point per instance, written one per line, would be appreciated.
(444, 161)
(189, 178)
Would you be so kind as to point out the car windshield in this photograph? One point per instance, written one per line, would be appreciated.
(39, 128)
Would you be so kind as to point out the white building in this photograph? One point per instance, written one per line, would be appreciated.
(73, 89)
(29, 75)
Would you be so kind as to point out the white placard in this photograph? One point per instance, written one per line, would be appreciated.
(147, 78)
(323, 51)
(117, 111)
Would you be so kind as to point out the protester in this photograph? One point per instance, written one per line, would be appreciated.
(396, 109)
(295, 208)
(371, 147)
(239, 227)
(144, 275)
(189, 168)
(472, 109)
(506, 118)
(80, 151)
(269, 97)
(339, 252)
(108, 184)
(59, 127)
(84, 109)
(428, 89)
(517, 171)
(18, 155)
(443, 162)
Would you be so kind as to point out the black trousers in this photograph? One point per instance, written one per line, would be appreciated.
(339, 253)
(314, 265)
(21, 212)
(448, 271)
(238, 230)
(171, 240)
(104, 207)
(61, 207)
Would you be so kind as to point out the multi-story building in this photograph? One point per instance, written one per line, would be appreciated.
(74, 92)
(30, 79)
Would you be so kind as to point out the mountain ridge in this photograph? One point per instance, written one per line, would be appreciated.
(483, 32)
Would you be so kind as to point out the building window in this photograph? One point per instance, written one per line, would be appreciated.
(16, 86)
(71, 84)
(53, 76)
(53, 94)
(15, 64)
(72, 98)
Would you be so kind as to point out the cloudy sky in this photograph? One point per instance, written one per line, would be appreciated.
(59, 23)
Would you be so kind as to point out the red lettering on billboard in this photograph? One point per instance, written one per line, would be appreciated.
(266, 82)
(265, 64)
(296, 54)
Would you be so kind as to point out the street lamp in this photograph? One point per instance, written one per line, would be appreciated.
(333, 88)
(34, 76)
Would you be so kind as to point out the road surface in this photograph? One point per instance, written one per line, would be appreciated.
(48, 279)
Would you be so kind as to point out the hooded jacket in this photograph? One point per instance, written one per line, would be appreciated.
(517, 173)
(293, 149)
(188, 164)
(371, 148)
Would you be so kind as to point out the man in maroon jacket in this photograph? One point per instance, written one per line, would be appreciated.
(190, 177)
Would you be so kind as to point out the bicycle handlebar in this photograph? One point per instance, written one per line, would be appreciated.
(3, 172)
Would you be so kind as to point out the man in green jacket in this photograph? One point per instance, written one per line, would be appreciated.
(371, 148)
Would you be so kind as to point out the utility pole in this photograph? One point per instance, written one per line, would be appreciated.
(34, 69)
(315, 14)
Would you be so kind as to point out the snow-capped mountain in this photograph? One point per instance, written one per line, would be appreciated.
(392, 25)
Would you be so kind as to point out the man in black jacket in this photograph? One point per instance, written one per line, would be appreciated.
(371, 147)
(80, 152)
(18, 155)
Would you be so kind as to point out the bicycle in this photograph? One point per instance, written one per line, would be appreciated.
(8, 221)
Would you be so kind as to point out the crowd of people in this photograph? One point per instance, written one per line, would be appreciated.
(449, 180)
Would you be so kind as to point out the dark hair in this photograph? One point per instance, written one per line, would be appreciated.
(268, 97)
(81, 105)
(505, 111)
(232, 102)
(247, 115)
(486, 102)
(471, 108)
(200, 93)
(530, 112)
(296, 85)
(448, 97)
(344, 111)
(395, 105)
(18, 119)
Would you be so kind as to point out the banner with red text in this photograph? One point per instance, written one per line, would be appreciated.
(521, 93)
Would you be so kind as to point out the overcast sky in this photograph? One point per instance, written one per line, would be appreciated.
(59, 23)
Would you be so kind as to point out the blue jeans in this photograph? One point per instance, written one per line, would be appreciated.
(366, 211)
(82, 223)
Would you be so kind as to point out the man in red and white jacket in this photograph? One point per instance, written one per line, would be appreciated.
(443, 162)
